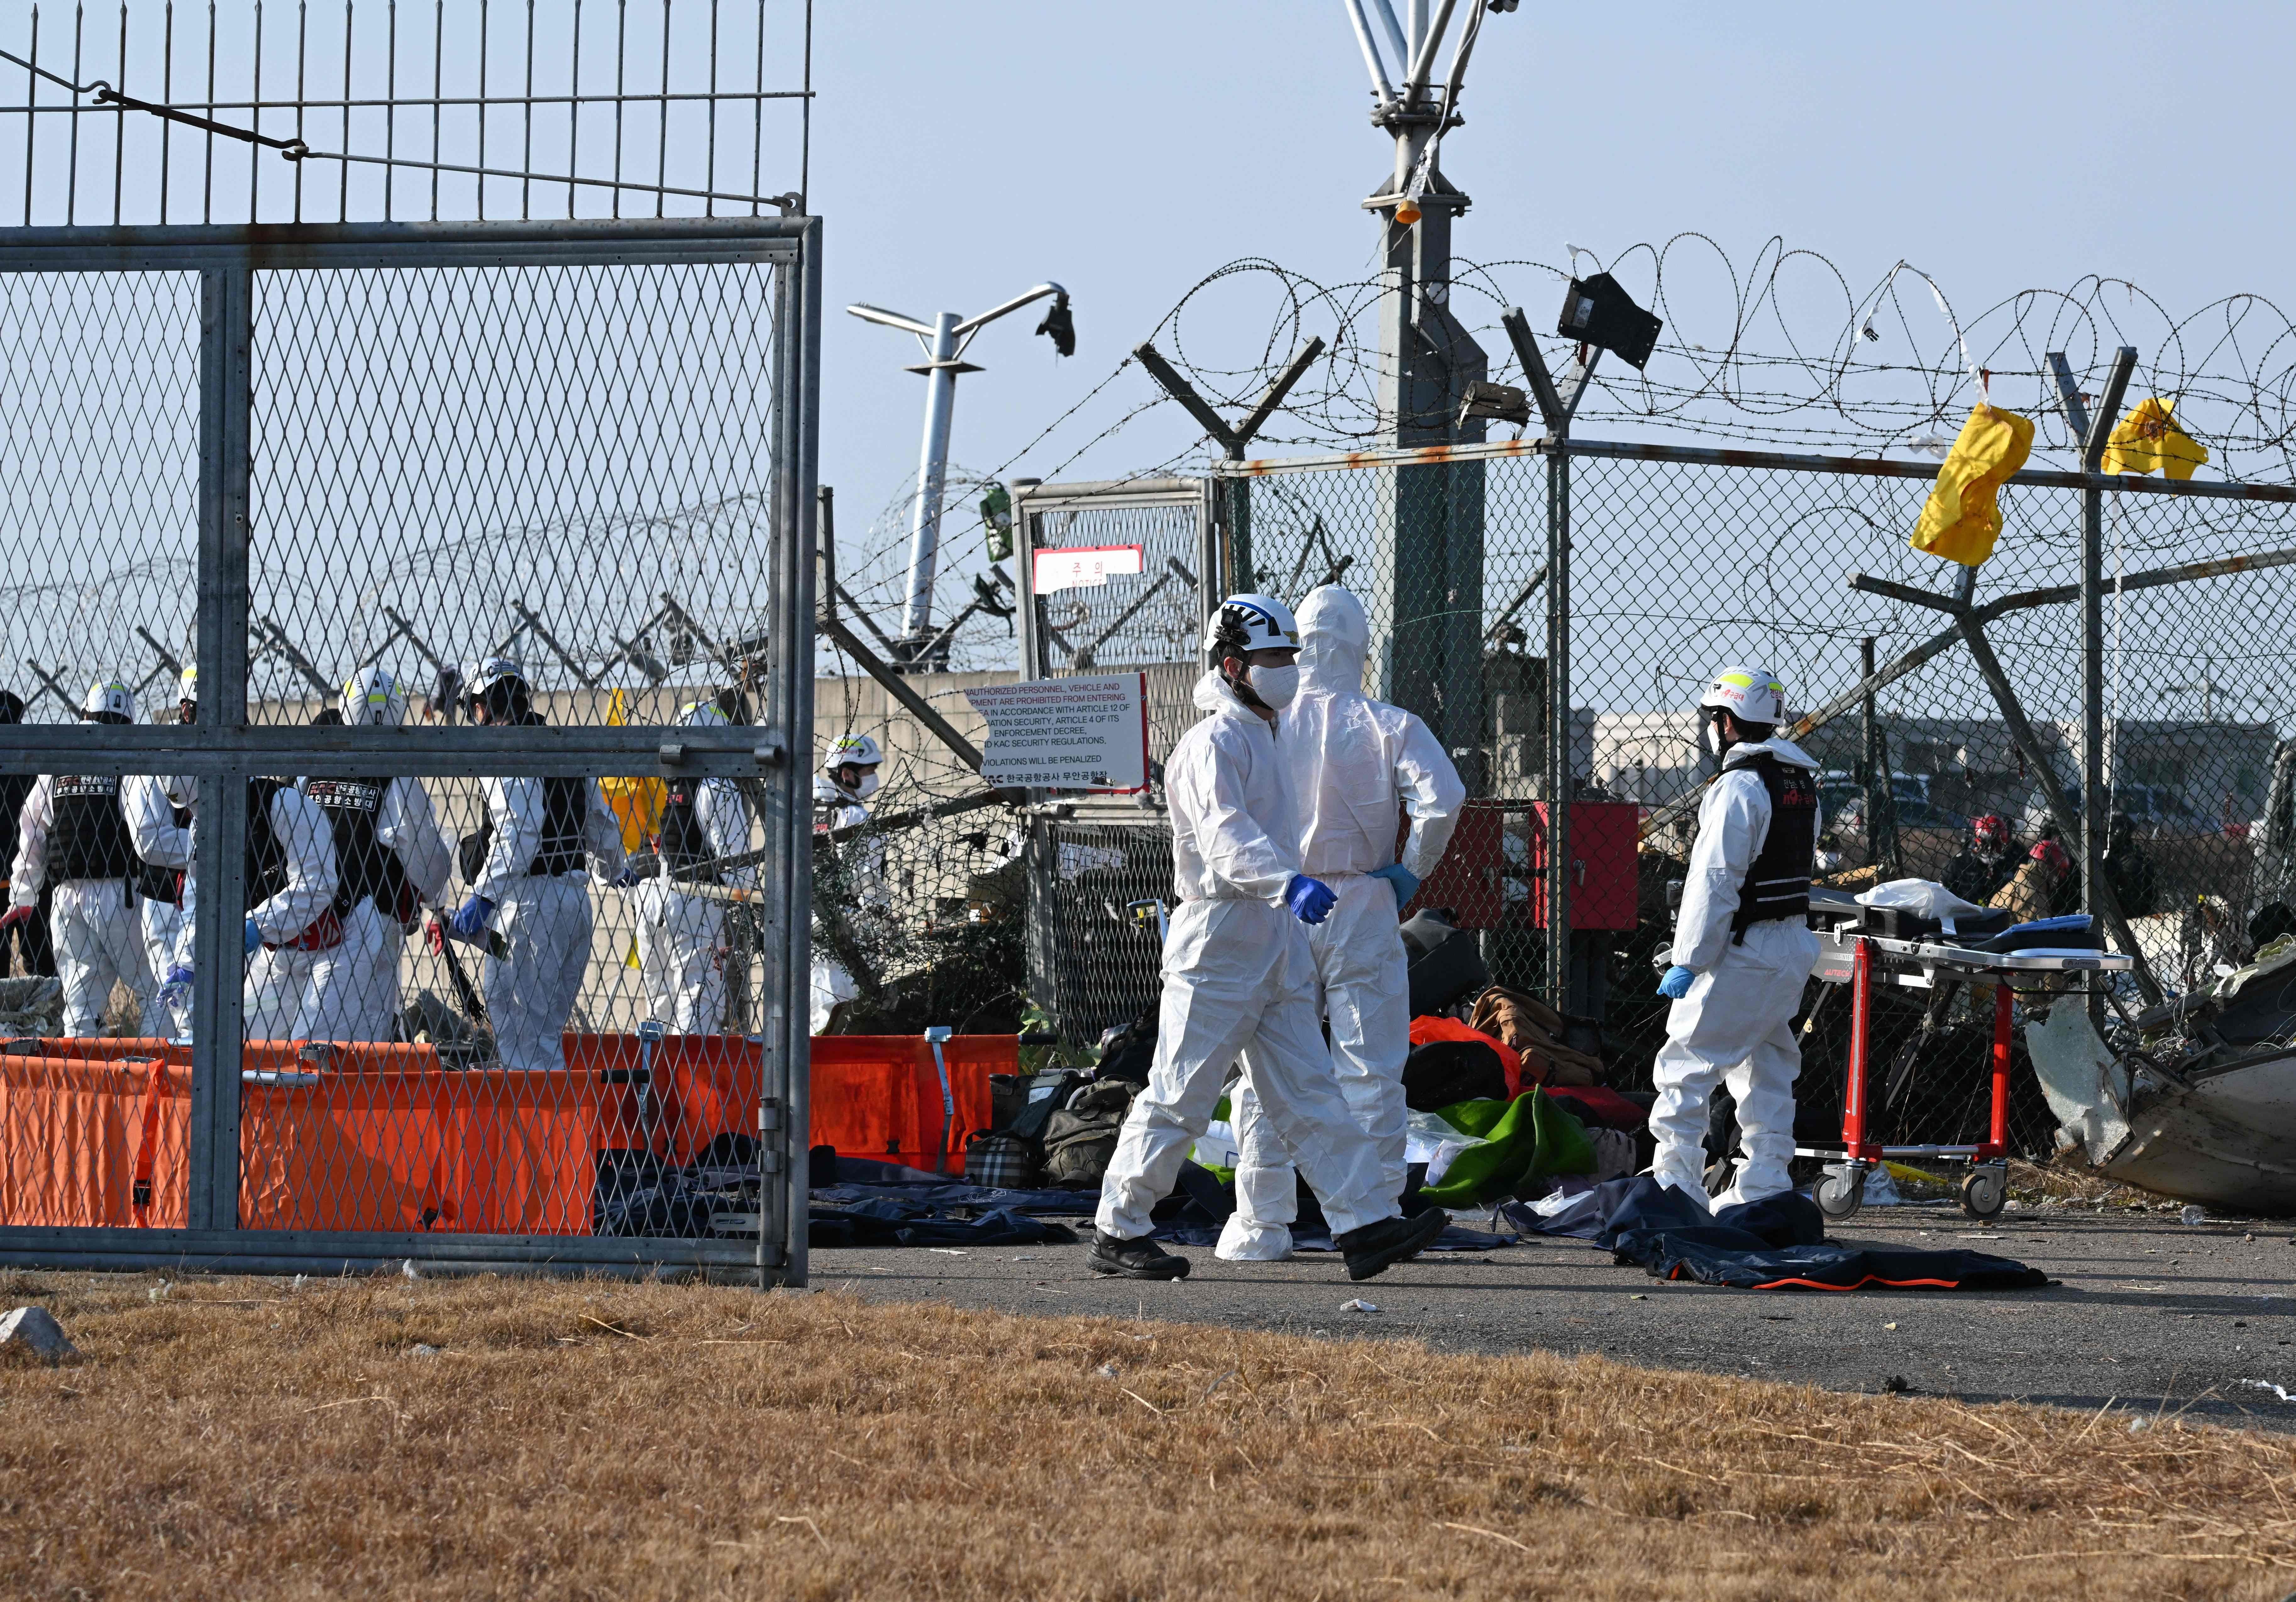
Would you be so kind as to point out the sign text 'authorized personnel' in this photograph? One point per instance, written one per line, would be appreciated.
(1066, 734)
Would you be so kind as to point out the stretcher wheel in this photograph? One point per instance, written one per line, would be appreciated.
(1984, 1192)
(1840, 1193)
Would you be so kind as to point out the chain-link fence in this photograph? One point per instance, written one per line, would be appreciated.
(441, 910)
(1674, 562)
(1650, 567)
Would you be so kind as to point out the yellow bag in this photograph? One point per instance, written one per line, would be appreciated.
(1963, 518)
(637, 803)
(2148, 438)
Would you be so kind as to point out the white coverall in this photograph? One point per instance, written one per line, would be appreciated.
(161, 842)
(282, 988)
(356, 995)
(1238, 978)
(545, 919)
(96, 928)
(1357, 765)
(1736, 1024)
(682, 937)
(832, 984)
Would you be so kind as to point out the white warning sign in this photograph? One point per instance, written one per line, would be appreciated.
(1066, 734)
(1085, 567)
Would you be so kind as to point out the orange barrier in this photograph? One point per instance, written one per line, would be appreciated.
(879, 1095)
(380, 1139)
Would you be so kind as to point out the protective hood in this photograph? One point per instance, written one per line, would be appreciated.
(1777, 745)
(1212, 694)
(1335, 641)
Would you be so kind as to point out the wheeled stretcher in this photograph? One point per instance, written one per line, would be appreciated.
(1846, 954)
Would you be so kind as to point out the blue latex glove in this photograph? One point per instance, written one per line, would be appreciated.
(1676, 982)
(628, 878)
(1309, 899)
(254, 938)
(178, 976)
(1406, 883)
(471, 919)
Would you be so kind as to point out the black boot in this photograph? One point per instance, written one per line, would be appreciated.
(1376, 1246)
(1141, 1259)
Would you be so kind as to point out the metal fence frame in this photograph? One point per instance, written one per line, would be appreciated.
(227, 752)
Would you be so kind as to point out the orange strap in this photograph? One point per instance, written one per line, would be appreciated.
(147, 1149)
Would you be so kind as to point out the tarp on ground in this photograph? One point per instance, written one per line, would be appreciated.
(1482, 1152)
(1775, 1244)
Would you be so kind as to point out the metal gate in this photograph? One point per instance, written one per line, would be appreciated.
(1091, 964)
(589, 444)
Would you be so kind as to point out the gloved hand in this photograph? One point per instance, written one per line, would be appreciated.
(254, 938)
(1675, 985)
(178, 977)
(1406, 883)
(14, 916)
(1309, 899)
(628, 878)
(471, 919)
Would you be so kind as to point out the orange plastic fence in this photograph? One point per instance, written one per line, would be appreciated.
(380, 1138)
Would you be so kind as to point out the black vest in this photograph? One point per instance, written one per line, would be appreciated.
(1778, 884)
(88, 838)
(364, 865)
(684, 841)
(565, 807)
(266, 856)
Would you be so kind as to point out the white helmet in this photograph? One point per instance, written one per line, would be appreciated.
(1750, 694)
(372, 697)
(108, 697)
(496, 670)
(858, 750)
(187, 685)
(703, 714)
(1247, 623)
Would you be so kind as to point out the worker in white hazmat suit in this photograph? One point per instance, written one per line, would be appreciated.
(288, 929)
(1742, 947)
(161, 831)
(73, 835)
(1239, 979)
(682, 935)
(846, 780)
(528, 884)
(391, 860)
(1358, 767)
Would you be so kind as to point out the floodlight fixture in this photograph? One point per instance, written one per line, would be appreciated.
(1598, 311)
(1497, 403)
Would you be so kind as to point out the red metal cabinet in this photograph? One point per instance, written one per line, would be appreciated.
(1499, 844)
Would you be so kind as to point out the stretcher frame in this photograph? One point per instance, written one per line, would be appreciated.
(1862, 961)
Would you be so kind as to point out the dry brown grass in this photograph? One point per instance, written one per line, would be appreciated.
(236, 1439)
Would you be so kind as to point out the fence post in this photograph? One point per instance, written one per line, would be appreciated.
(1559, 730)
(2093, 812)
(219, 829)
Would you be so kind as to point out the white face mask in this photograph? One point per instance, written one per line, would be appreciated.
(867, 787)
(1275, 686)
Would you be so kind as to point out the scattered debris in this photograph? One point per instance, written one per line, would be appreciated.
(421, 1349)
(2194, 1215)
(2265, 1384)
(1108, 1371)
(1358, 1305)
(35, 1329)
(407, 1270)
(1896, 1386)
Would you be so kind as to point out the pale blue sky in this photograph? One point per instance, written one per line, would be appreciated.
(964, 151)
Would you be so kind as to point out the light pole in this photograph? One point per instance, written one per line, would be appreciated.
(945, 340)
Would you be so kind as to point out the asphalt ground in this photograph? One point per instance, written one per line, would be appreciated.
(2152, 1316)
